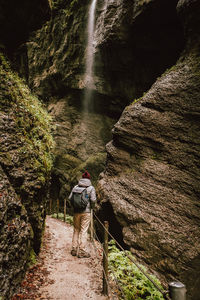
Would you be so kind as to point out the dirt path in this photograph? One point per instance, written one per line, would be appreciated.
(59, 275)
(71, 277)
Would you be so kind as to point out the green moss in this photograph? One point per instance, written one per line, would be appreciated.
(94, 165)
(74, 3)
(50, 4)
(58, 4)
(129, 171)
(138, 99)
(71, 160)
(33, 123)
(32, 259)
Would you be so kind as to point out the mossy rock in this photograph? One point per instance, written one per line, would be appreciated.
(94, 165)
(26, 145)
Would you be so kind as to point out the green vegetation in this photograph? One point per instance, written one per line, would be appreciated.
(60, 216)
(32, 258)
(32, 122)
(132, 281)
(59, 4)
(67, 6)
(94, 165)
(136, 100)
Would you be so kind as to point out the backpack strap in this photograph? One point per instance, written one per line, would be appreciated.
(78, 189)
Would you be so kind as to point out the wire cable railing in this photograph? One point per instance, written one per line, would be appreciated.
(111, 270)
(107, 281)
(177, 290)
(178, 294)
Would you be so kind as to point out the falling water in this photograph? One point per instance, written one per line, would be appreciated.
(89, 63)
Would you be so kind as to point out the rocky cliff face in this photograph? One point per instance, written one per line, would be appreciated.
(135, 42)
(80, 144)
(153, 167)
(127, 61)
(53, 61)
(16, 234)
(150, 183)
(128, 57)
(25, 162)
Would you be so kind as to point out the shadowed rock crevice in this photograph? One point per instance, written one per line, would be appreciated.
(133, 52)
(17, 21)
(106, 213)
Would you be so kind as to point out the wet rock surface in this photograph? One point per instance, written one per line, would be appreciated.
(128, 57)
(80, 144)
(153, 170)
(127, 61)
(15, 237)
(25, 162)
(152, 167)
(130, 48)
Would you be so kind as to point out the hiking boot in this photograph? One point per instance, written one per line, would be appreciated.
(83, 254)
(73, 252)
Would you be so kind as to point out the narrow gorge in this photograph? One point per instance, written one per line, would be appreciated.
(112, 87)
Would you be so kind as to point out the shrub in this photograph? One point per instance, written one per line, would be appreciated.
(60, 216)
(134, 284)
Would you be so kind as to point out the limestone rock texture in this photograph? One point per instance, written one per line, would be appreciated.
(16, 234)
(25, 162)
(79, 145)
(128, 59)
(25, 153)
(152, 173)
(53, 62)
(130, 49)
(146, 65)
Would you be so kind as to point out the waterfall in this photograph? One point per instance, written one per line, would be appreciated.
(89, 61)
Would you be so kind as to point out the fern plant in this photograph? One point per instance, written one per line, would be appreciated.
(134, 284)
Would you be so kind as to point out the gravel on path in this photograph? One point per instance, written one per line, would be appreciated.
(60, 276)
(72, 277)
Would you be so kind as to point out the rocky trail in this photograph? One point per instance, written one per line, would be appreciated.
(58, 275)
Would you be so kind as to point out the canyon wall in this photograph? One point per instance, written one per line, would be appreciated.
(147, 60)
(25, 156)
(128, 59)
(53, 62)
(152, 173)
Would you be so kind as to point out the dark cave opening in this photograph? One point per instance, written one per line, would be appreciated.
(106, 213)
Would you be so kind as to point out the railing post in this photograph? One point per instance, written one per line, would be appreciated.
(64, 209)
(57, 207)
(91, 226)
(177, 291)
(50, 206)
(105, 259)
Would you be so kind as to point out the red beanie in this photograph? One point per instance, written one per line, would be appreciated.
(86, 175)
